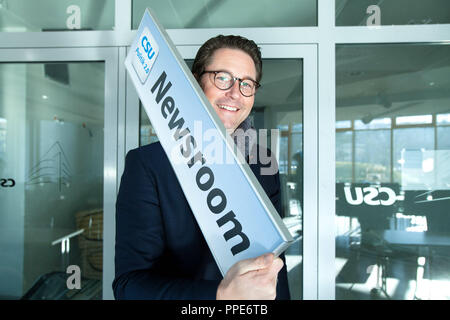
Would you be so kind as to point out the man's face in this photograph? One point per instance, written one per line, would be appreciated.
(240, 65)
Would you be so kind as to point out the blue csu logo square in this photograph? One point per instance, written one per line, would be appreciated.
(145, 55)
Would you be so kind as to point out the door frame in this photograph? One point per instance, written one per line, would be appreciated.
(110, 57)
(308, 53)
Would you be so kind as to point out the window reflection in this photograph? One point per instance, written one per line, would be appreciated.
(392, 172)
(56, 15)
(398, 12)
(3, 124)
(373, 124)
(51, 216)
(443, 118)
(343, 124)
(178, 14)
(425, 119)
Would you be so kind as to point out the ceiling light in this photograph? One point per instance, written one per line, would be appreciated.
(367, 119)
(44, 97)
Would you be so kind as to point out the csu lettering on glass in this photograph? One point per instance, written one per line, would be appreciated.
(368, 195)
(7, 183)
(147, 47)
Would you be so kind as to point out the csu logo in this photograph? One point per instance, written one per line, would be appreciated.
(144, 55)
(7, 183)
(385, 196)
(147, 47)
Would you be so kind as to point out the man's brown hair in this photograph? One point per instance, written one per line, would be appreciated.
(206, 51)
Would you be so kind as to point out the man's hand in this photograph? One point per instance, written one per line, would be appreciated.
(251, 279)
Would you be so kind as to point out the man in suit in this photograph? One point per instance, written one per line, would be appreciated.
(160, 250)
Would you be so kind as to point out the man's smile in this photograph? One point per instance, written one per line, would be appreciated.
(228, 108)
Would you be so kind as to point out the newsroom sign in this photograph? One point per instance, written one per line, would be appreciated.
(237, 223)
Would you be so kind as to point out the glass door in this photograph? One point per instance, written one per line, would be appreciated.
(57, 168)
(392, 171)
(286, 108)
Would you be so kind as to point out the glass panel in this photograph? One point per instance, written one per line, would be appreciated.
(344, 156)
(391, 12)
(414, 120)
(56, 15)
(443, 138)
(392, 194)
(372, 161)
(278, 107)
(51, 171)
(443, 119)
(407, 151)
(369, 123)
(346, 124)
(180, 14)
(147, 134)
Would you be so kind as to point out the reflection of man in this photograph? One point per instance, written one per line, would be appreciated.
(298, 177)
(160, 250)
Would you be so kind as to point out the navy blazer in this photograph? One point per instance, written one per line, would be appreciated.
(160, 250)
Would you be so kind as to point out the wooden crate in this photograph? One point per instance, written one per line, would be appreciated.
(91, 242)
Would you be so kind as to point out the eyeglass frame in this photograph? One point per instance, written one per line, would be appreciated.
(257, 85)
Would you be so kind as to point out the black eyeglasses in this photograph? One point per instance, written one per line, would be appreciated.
(224, 80)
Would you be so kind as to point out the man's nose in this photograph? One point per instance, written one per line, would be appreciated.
(234, 91)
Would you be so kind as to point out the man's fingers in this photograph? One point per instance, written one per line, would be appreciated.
(254, 264)
(272, 271)
(277, 265)
(257, 277)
